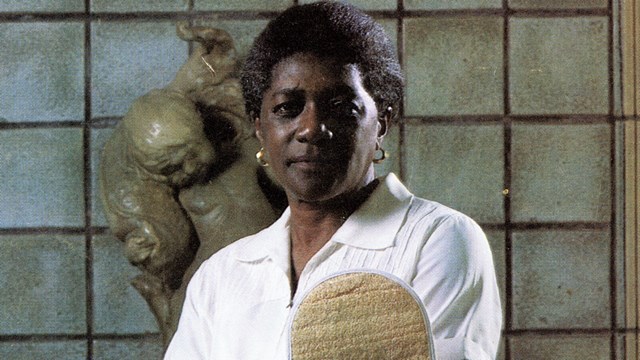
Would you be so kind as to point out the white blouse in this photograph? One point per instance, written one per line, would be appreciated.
(238, 302)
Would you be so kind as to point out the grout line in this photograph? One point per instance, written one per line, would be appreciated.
(87, 185)
(634, 114)
(43, 230)
(508, 306)
(41, 124)
(137, 16)
(633, 287)
(41, 337)
(545, 13)
(613, 179)
(75, 337)
(140, 336)
(191, 14)
(551, 119)
(190, 9)
(505, 11)
(449, 13)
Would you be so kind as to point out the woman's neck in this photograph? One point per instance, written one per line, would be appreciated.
(313, 224)
(312, 220)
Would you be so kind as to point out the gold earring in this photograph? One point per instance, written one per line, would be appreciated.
(383, 155)
(260, 158)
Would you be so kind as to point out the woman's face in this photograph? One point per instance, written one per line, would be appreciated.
(319, 128)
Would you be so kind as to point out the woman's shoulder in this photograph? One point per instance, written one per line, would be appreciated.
(429, 210)
(448, 229)
(439, 225)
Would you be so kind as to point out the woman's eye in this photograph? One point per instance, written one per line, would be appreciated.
(344, 108)
(288, 109)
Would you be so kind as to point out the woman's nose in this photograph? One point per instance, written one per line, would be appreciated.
(311, 129)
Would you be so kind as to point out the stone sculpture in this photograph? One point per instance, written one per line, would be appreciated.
(178, 177)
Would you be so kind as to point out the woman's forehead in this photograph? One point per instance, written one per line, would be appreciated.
(304, 71)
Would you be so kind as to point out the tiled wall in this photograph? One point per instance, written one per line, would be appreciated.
(511, 115)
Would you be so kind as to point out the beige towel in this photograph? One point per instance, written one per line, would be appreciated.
(360, 315)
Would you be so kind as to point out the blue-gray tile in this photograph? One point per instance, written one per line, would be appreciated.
(42, 278)
(453, 66)
(98, 139)
(42, 5)
(243, 32)
(251, 5)
(129, 59)
(561, 279)
(559, 65)
(561, 172)
(555, 4)
(561, 347)
(621, 346)
(458, 165)
(134, 5)
(42, 179)
(452, 4)
(128, 349)
(119, 309)
(29, 350)
(42, 72)
(367, 4)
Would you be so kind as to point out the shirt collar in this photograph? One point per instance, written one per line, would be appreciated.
(372, 226)
(271, 242)
(375, 224)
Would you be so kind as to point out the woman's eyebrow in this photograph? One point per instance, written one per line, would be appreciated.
(288, 92)
(340, 90)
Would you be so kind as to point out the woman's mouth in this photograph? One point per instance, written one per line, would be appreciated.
(308, 163)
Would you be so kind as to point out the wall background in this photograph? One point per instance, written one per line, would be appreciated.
(512, 115)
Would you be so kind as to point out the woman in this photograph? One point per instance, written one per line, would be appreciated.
(322, 85)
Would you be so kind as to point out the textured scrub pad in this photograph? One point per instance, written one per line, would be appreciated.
(360, 315)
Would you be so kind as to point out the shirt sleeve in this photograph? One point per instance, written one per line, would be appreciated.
(456, 280)
(194, 328)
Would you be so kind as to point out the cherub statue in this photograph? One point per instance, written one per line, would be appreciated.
(179, 179)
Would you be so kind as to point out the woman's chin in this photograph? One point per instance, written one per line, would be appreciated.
(316, 189)
(311, 193)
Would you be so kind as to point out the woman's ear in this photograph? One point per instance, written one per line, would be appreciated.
(256, 124)
(383, 122)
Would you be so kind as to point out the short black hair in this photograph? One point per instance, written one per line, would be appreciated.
(324, 29)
